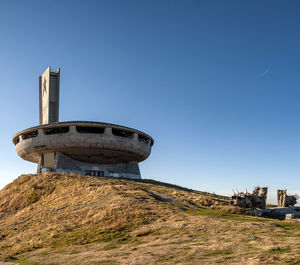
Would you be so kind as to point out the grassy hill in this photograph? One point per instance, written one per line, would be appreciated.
(73, 219)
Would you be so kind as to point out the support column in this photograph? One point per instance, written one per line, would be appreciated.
(108, 130)
(40, 164)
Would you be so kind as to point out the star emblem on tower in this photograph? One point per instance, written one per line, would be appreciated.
(45, 85)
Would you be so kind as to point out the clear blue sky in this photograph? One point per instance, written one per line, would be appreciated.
(216, 83)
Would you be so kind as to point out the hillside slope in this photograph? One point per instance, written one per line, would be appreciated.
(73, 219)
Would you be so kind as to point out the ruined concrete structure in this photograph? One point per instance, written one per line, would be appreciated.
(91, 148)
(278, 212)
(284, 200)
(257, 199)
(261, 195)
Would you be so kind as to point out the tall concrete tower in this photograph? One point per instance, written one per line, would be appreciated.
(49, 96)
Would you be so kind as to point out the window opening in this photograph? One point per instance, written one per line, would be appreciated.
(56, 130)
(29, 135)
(82, 129)
(143, 139)
(16, 140)
(122, 133)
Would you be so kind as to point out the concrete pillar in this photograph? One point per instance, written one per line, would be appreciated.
(40, 163)
(108, 131)
(73, 129)
(40, 132)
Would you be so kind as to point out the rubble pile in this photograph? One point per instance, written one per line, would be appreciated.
(284, 200)
(257, 199)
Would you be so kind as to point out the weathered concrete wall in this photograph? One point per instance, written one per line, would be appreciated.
(105, 148)
(64, 163)
(77, 151)
(277, 212)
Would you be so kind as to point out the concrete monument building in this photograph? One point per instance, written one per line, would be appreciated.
(91, 148)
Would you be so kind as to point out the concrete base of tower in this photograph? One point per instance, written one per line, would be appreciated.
(59, 162)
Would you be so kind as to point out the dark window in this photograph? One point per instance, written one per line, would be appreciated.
(56, 130)
(16, 140)
(95, 173)
(29, 135)
(82, 129)
(122, 133)
(143, 139)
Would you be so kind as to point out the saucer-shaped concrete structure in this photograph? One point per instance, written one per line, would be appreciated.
(90, 142)
(92, 148)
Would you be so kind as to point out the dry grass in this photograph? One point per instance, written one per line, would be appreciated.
(73, 219)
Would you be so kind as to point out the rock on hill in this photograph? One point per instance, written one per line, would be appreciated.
(73, 219)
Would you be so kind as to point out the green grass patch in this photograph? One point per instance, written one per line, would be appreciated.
(89, 236)
(221, 214)
(106, 262)
(27, 262)
(110, 246)
(43, 254)
(287, 225)
(73, 252)
(279, 250)
(218, 252)
(292, 261)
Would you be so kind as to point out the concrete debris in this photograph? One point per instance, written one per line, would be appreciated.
(257, 199)
(284, 200)
(280, 213)
(261, 193)
(289, 216)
